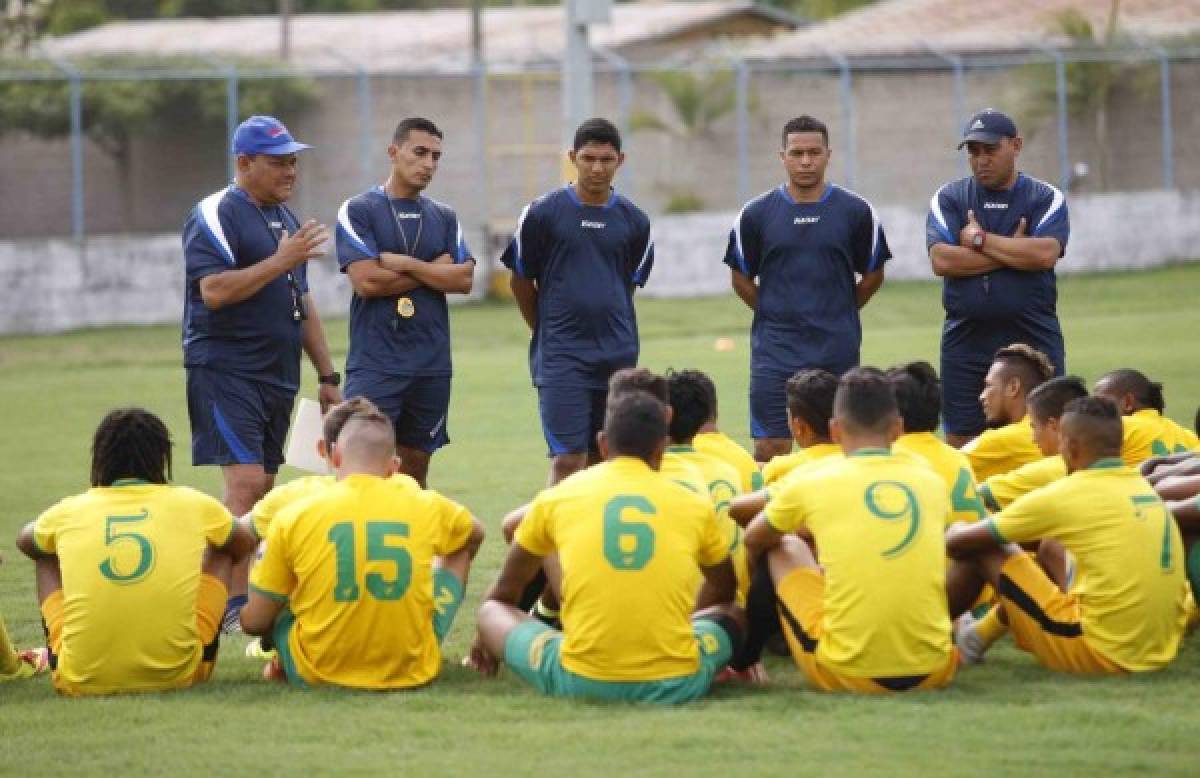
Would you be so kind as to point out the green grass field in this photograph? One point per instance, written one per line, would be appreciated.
(1006, 717)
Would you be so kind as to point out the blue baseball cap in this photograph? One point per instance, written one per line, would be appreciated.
(265, 135)
(988, 126)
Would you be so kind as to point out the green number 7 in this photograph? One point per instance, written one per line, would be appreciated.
(108, 567)
(1140, 501)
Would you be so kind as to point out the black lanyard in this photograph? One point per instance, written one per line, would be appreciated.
(298, 311)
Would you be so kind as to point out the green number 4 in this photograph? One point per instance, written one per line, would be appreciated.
(628, 545)
(964, 498)
(378, 550)
(114, 534)
(1140, 502)
(881, 497)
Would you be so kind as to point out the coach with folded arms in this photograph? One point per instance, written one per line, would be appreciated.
(247, 314)
(994, 237)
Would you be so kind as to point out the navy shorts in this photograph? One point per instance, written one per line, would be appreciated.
(964, 365)
(417, 405)
(768, 406)
(237, 420)
(571, 417)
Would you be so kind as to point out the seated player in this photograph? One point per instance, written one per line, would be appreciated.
(1141, 403)
(1008, 442)
(17, 665)
(919, 401)
(1126, 609)
(264, 511)
(1044, 406)
(1186, 511)
(872, 618)
(689, 406)
(348, 585)
(809, 406)
(133, 574)
(711, 440)
(629, 540)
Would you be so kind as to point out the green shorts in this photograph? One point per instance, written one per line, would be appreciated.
(447, 596)
(532, 651)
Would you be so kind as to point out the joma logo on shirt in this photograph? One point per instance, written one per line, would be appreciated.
(408, 216)
(995, 205)
(592, 225)
(806, 220)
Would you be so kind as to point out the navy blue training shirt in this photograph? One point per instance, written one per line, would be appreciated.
(1022, 299)
(381, 338)
(260, 337)
(805, 256)
(585, 260)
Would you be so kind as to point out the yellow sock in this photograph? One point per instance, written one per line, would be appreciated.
(990, 628)
(8, 655)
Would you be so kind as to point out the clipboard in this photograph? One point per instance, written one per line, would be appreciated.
(306, 430)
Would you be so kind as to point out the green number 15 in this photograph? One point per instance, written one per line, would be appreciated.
(378, 532)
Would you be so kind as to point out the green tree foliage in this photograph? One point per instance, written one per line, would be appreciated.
(819, 9)
(698, 99)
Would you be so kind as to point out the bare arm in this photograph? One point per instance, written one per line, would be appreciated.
(958, 262)
(745, 288)
(720, 583)
(441, 274)
(513, 520)
(520, 566)
(315, 345)
(258, 616)
(1186, 513)
(760, 537)
(965, 539)
(371, 279)
(26, 544)
(867, 286)
(234, 286)
(525, 292)
(746, 506)
(1022, 253)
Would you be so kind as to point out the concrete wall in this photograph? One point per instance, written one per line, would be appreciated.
(53, 285)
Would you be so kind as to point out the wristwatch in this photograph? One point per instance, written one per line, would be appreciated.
(333, 379)
(977, 241)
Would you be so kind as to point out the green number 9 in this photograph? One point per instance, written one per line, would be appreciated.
(628, 545)
(882, 497)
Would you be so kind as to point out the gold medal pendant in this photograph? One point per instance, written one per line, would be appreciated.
(405, 308)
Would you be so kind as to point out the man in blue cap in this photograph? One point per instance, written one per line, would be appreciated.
(994, 237)
(247, 314)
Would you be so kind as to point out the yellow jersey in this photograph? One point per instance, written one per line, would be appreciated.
(354, 563)
(1150, 434)
(130, 556)
(783, 464)
(1129, 558)
(283, 495)
(723, 483)
(1000, 491)
(629, 540)
(726, 448)
(952, 466)
(879, 519)
(819, 455)
(683, 473)
(1000, 450)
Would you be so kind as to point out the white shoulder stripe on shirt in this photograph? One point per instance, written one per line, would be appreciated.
(343, 217)
(209, 213)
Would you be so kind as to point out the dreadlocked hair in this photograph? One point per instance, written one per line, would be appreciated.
(131, 443)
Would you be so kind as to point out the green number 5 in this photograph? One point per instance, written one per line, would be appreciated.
(378, 532)
(628, 545)
(881, 497)
(112, 535)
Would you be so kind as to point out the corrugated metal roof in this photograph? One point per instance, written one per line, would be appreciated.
(899, 27)
(403, 40)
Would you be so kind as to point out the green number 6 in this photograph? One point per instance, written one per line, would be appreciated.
(886, 492)
(108, 567)
(628, 545)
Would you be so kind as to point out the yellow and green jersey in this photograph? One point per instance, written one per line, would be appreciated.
(952, 466)
(1130, 580)
(354, 563)
(131, 557)
(1003, 449)
(725, 448)
(1150, 434)
(629, 540)
(879, 520)
(783, 464)
(723, 484)
(274, 501)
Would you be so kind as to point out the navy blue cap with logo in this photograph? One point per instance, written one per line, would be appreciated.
(265, 135)
(988, 126)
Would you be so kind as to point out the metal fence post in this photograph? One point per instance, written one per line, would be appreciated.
(1060, 89)
(231, 116)
(742, 101)
(75, 80)
(624, 109)
(960, 92)
(847, 97)
(1168, 133)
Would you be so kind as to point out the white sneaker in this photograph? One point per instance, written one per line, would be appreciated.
(254, 650)
(971, 646)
